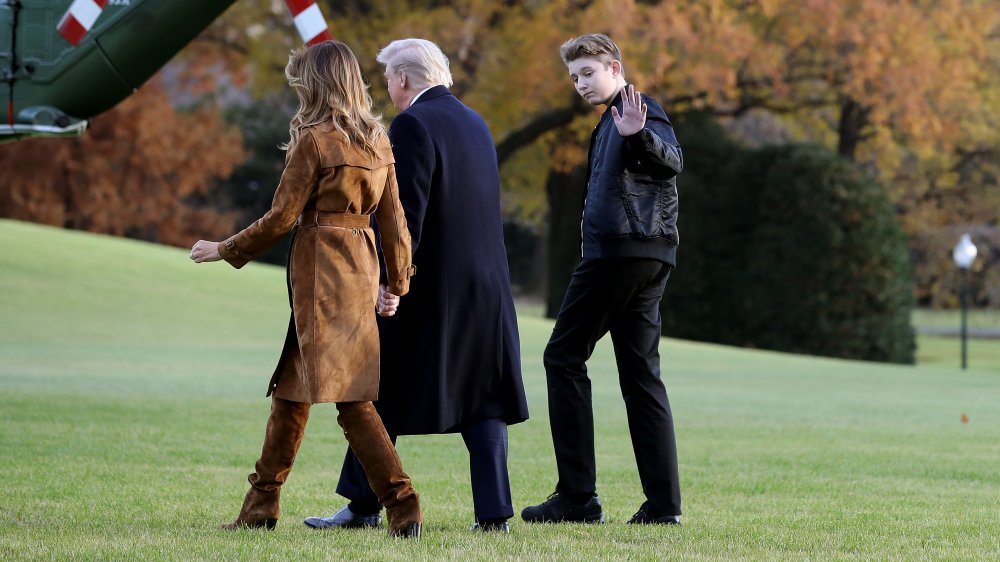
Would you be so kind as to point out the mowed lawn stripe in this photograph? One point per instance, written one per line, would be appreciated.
(133, 385)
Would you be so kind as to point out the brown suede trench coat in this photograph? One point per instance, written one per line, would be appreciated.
(328, 191)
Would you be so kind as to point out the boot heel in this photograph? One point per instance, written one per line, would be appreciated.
(411, 531)
(266, 523)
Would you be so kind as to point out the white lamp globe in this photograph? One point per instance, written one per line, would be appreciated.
(965, 252)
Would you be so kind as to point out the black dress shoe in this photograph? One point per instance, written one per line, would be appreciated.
(412, 531)
(645, 517)
(345, 519)
(558, 509)
(500, 527)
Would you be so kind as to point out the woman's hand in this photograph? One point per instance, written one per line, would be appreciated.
(387, 302)
(204, 251)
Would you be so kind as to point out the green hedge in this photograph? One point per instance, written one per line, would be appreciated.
(789, 248)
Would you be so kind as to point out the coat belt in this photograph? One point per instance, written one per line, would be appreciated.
(343, 220)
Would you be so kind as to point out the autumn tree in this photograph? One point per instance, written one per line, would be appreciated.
(909, 89)
(912, 90)
(131, 174)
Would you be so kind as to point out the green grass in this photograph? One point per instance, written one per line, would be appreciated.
(988, 319)
(982, 354)
(132, 383)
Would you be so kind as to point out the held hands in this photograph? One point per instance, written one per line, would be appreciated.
(204, 251)
(633, 116)
(387, 302)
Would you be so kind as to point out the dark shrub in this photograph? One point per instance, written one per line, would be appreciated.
(712, 223)
(790, 248)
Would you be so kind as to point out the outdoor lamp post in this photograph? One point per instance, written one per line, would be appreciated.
(964, 254)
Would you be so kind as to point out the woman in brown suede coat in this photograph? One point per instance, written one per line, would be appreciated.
(339, 170)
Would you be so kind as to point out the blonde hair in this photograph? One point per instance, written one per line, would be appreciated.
(422, 61)
(596, 45)
(328, 81)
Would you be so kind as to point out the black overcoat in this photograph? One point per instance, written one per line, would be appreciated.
(451, 353)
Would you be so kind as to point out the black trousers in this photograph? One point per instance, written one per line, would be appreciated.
(486, 441)
(621, 296)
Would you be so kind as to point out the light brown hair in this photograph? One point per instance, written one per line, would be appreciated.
(596, 45)
(328, 81)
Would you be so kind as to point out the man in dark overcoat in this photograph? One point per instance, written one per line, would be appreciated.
(450, 352)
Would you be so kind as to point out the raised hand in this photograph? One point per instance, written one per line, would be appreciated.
(633, 116)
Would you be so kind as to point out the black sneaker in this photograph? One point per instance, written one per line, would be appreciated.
(645, 517)
(557, 509)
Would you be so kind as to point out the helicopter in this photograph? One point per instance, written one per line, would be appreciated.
(66, 61)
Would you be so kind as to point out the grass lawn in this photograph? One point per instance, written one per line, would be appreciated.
(133, 409)
(935, 351)
(986, 319)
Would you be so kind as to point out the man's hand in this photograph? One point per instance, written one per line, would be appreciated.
(633, 117)
(387, 302)
(204, 251)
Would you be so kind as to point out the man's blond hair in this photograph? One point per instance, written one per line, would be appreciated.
(596, 45)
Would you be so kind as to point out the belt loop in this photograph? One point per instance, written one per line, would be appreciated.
(309, 219)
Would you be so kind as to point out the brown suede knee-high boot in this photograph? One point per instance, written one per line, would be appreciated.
(285, 429)
(369, 441)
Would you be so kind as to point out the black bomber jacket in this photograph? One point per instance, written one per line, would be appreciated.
(630, 206)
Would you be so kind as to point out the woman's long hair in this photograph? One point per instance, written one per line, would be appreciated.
(328, 81)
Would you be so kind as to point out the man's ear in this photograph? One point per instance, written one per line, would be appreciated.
(403, 80)
(616, 68)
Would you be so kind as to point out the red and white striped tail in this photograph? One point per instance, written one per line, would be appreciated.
(309, 21)
(79, 18)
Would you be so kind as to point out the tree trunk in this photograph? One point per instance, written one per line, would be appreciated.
(541, 124)
(564, 191)
(853, 117)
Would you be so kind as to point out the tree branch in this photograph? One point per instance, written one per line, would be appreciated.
(538, 126)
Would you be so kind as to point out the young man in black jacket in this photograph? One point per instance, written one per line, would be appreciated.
(629, 232)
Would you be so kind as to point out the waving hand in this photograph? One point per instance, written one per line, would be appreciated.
(633, 116)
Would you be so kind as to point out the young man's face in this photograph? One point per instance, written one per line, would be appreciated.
(595, 81)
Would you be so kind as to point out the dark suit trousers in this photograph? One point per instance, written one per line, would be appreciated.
(487, 444)
(621, 296)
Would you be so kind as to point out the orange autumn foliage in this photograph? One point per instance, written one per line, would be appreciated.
(131, 174)
(880, 81)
